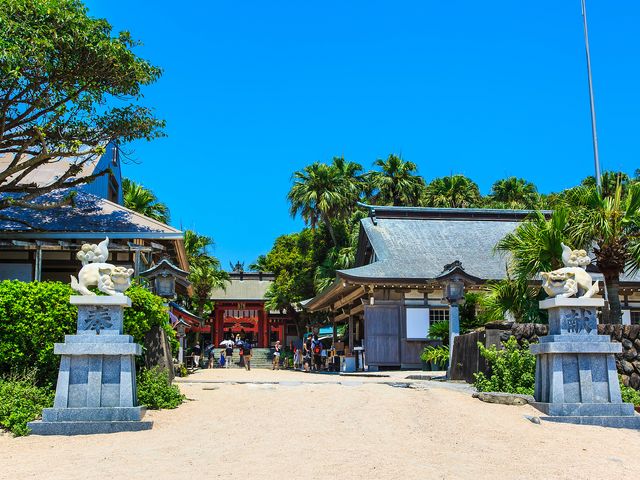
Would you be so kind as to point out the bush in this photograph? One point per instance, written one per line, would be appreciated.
(147, 310)
(512, 370)
(629, 394)
(440, 331)
(436, 355)
(21, 401)
(155, 391)
(35, 315)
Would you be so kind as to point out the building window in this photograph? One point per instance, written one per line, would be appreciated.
(635, 317)
(438, 315)
(114, 189)
(417, 323)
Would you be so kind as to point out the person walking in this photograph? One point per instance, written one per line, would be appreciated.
(297, 364)
(306, 355)
(212, 357)
(316, 350)
(196, 355)
(246, 351)
(228, 355)
(276, 357)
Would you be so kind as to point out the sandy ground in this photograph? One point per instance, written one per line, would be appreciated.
(357, 429)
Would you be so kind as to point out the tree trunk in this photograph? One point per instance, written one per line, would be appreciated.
(296, 319)
(331, 232)
(614, 315)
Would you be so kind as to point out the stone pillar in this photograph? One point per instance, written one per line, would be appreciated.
(96, 389)
(576, 377)
(454, 326)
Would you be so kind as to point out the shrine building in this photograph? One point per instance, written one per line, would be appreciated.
(240, 310)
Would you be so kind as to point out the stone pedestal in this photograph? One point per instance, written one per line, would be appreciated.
(96, 390)
(576, 376)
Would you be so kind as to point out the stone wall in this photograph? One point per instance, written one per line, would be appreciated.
(628, 362)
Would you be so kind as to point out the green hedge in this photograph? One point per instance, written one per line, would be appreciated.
(35, 315)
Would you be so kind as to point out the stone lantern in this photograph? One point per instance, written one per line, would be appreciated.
(453, 280)
(163, 278)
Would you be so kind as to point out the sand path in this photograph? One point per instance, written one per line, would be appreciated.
(359, 429)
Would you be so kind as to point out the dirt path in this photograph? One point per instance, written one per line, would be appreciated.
(354, 430)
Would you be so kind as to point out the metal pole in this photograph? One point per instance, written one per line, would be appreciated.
(594, 133)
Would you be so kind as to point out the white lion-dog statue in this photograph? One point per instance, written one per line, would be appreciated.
(95, 272)
(571, 280)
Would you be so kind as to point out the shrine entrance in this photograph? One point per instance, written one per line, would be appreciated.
(243, 319)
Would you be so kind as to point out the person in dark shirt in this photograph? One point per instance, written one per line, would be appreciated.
(246, 347)
(196, 355)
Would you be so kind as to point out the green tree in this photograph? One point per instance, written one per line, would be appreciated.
(144, 201)
(612, 225)
(610, 181)
(59, 73)
(319, 193)
(454, 191)
(397, 182)
(205, 273)
(514, 192)
(536, 244)
(293, 260)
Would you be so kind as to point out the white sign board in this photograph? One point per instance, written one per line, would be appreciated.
(417, 323)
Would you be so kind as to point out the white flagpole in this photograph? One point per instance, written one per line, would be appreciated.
(594, 133)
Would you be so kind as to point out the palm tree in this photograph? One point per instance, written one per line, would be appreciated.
(611, 223)
(352, 179)
(536, 244)
(610, 181)
(510, 297)
(397, 182)
(205, 273)
(514, 192)
(454, 191)
(319, 193)
(142, 200)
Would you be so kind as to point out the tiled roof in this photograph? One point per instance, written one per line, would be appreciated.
(408, 248)
(90, 214)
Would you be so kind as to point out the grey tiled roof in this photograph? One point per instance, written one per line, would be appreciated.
(408, 248)
(89, 214)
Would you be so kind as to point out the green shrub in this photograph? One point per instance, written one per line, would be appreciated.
(181, 370)
(35, 315)
(440, 331)
(155, 391)
(629, 394)
(512, 370)
(147, 310)
(21, 401)
(436, 355)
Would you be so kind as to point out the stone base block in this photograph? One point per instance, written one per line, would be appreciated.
(86, 428)
(585, 409)
(631, 421)
(98, 414)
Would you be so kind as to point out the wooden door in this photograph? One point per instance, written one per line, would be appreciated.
(382, 334)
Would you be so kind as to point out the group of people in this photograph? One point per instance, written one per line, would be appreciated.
(226, 354)
(312, 357)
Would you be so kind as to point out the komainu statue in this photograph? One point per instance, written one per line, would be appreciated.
(573, 279)
(96, 272)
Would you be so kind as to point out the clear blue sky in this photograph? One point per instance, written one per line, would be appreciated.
(253, 90)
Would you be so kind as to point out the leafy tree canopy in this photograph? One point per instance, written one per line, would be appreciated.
(68, 86)
(142, 200)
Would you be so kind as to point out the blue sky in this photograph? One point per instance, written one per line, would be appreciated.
(254, 90)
